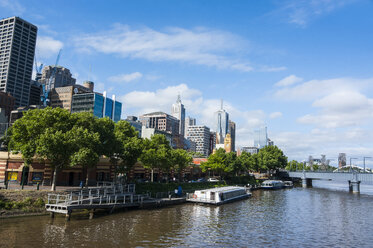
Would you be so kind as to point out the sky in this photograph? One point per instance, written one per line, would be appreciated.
(303, 68)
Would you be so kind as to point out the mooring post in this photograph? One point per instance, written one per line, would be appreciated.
(354, 184)
(68, 215)
(91, 214)
(52, 215)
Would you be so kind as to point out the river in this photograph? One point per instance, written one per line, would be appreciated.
(324, 216)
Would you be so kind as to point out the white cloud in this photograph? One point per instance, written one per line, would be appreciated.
(47, 47)
(275, 115)
(341, 109)
(13, 6)
(301, 12)
(315, 89)
(289, 80)
(125, 77)
(199, 46)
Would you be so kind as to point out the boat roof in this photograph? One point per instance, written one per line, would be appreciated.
(272, 181)
(221, 189)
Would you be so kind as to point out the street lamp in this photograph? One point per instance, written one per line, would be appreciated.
(364, 162)
(350, 163)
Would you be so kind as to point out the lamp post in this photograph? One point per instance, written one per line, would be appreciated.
(350, 163)
(364, 162)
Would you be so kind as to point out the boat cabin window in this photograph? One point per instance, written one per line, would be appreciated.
(212, 196)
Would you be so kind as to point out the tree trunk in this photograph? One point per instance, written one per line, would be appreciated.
(53, 188)
(87, 178)
(152, 176)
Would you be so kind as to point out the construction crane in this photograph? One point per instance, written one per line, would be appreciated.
(38, 70)
(47, 86)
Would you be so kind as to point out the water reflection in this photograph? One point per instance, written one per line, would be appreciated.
(297, 217)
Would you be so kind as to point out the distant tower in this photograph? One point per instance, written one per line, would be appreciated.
(260, 137)
(232, 131)
(178, 111)
(341, 160)
(221, 118)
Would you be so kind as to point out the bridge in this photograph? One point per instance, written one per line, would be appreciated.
(353, 178)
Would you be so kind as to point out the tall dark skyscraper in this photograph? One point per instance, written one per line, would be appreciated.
(17, 50)
(232, 131)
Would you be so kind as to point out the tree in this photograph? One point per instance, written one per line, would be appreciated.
(47, 134)
(180, 160)
(128, 148)
(86, 149)
(271, 158)
(88, 145)
(156, 154)
(216, 162)
(246, 161)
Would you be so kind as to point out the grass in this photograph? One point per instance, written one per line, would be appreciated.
(26, 205)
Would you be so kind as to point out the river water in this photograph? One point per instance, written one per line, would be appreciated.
(324, 216)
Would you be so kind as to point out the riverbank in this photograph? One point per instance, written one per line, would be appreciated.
(15, 203)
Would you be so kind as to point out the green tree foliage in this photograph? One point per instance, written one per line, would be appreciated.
(271, 158)
(48, 134)
(156, 154)
(129, 146)
(216, 163)
(180, 160)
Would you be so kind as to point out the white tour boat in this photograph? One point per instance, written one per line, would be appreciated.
(272, 184)
(218, 196)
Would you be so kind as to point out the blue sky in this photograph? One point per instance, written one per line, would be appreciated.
(302, 68)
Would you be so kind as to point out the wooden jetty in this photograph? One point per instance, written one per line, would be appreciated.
(107, 196)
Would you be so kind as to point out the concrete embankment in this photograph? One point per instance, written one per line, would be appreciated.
(22, 202)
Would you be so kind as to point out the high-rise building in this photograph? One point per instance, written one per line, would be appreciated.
(341, 160)
(133, 121)
(228, 143)
(6, 103)
(260, 137)
(178, 111)
(98, 104)
(221, 118)
(35, 93)
(62, 76)
(62, 97)
(189, 121)
(232, 131)
(17, 50)
(161, 121)
(212, 144)
(201, 136)
(250, 149)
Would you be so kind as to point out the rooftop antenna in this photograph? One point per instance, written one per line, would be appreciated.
(221, 104)
(178, 97)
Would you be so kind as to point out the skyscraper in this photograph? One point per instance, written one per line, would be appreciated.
(62, 77)
(201, 136)
(189, 121)
(221, 118)
(178, 111)
(17, 42)
(232, 131)
(260, 137)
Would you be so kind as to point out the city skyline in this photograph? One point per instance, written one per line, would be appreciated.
(302, 70)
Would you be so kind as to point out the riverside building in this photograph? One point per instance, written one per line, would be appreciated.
(17, 50)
